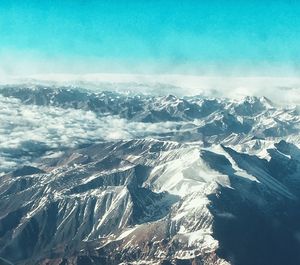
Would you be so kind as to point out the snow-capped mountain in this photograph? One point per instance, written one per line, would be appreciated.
(113, 178)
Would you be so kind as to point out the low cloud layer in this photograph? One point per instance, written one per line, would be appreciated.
(30, 129)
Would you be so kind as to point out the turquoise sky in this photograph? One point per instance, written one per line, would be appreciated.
(150, 35)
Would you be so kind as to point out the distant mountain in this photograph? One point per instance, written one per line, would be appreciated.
(222, 186)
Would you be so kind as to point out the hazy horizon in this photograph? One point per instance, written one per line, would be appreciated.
(281, 90)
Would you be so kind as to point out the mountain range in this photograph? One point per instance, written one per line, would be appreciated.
(108, 177)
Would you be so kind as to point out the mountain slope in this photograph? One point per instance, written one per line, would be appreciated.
(152, 200)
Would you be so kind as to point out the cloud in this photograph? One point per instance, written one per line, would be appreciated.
(29, 130)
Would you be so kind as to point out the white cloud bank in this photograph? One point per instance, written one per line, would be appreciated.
(29, 128)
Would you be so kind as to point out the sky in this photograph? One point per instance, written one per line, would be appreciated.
(187, 37)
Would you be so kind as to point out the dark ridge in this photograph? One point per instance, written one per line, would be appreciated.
(26, 170)
(247, 235)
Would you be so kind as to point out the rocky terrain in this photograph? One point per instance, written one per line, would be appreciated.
(122, 178)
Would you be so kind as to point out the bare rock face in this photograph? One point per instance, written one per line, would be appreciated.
(224, 188)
